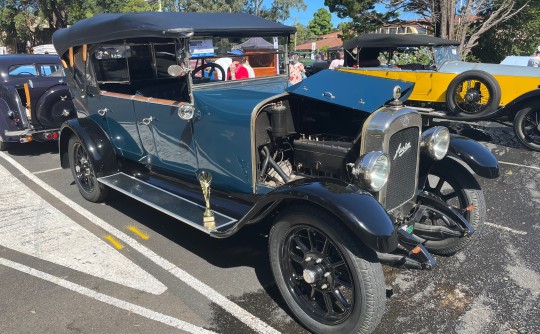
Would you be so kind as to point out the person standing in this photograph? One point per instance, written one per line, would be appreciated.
(534, 61)
(338, 62)
(297, 71)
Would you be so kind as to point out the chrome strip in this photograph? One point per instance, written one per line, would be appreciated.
(380, 127)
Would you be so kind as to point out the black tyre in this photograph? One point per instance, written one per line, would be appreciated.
(331, 282)
(452, 183)
(54, 107)
(527, 126)
(473, 94)
(83, 172)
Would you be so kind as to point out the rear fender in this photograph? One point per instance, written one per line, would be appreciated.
(358, 210)
(96, 142)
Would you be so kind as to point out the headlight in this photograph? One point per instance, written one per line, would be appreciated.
(435, 142)
(372, 169)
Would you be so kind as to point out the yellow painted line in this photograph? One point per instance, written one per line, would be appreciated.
(138, 232)
(114, 242)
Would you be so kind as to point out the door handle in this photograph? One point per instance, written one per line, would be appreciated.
(147, 121)
(102, 112)
(328, 95)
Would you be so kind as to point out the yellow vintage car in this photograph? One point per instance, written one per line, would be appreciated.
(452, 88)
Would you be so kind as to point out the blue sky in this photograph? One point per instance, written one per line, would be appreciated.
(304, 17)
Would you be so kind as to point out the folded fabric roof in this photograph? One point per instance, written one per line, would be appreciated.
(106, 27)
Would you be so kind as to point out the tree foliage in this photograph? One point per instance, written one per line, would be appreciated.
(462, 20)
(34, 21)
(519, 36)
(321, 23)
(365, 17)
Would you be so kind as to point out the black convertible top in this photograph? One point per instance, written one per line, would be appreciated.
(395, 40)
(107, 27)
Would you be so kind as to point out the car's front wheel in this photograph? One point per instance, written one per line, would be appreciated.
(457, 189)
(473, 94)
(84, 172)
(331, 282)
(527, 126)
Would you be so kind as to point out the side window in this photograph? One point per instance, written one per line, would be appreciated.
(110, 63)
(48, 70)
(22, 71)
(140, 62)
(165, 56)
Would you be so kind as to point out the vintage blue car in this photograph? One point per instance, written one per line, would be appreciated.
(34, 98)
(341, 174)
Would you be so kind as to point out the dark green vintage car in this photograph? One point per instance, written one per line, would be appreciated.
(339, 173)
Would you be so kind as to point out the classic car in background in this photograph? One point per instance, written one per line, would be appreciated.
(34, 98)
(338, 172)
(461, 90)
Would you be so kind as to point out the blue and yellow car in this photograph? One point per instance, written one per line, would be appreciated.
(461, 90)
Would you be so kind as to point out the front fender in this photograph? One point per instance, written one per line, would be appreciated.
(520, 102)
(94, 139)
(357, 209)
(474, 154)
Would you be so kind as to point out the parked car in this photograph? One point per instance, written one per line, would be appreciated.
(454, 89)
(340, 173)
(34, 98)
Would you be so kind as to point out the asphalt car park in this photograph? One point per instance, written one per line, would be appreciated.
(63, 261)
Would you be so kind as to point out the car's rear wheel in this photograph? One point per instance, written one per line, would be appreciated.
(84, 173)
(473, 94)
(527, 126)
(331, 283)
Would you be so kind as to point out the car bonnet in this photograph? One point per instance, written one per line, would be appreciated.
(356, 91)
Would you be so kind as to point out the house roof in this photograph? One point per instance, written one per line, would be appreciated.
(328, 40)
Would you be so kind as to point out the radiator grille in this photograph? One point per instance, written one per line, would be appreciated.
(403, 154)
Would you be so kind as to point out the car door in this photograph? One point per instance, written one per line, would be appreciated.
(116, 113)
(165, 136)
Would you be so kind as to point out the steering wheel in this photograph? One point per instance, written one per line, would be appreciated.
(208, 69)
(25, 73)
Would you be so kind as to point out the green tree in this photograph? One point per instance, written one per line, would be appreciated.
(321, 23)
(519, 36)
(279, 10)
(363, 14)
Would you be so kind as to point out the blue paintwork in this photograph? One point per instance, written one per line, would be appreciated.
(222, 130)
(359, 92)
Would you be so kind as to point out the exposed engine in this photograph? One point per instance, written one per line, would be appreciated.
(295, 144)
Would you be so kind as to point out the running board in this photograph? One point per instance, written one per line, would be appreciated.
(175, 206)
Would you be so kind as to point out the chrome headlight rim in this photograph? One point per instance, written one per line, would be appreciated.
(436, 141)
(373, 170)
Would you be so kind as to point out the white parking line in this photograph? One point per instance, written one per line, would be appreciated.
(518, 165)
(147, 313)
(504, 228)
(47, 170)
(32, 226)
(237, 311)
